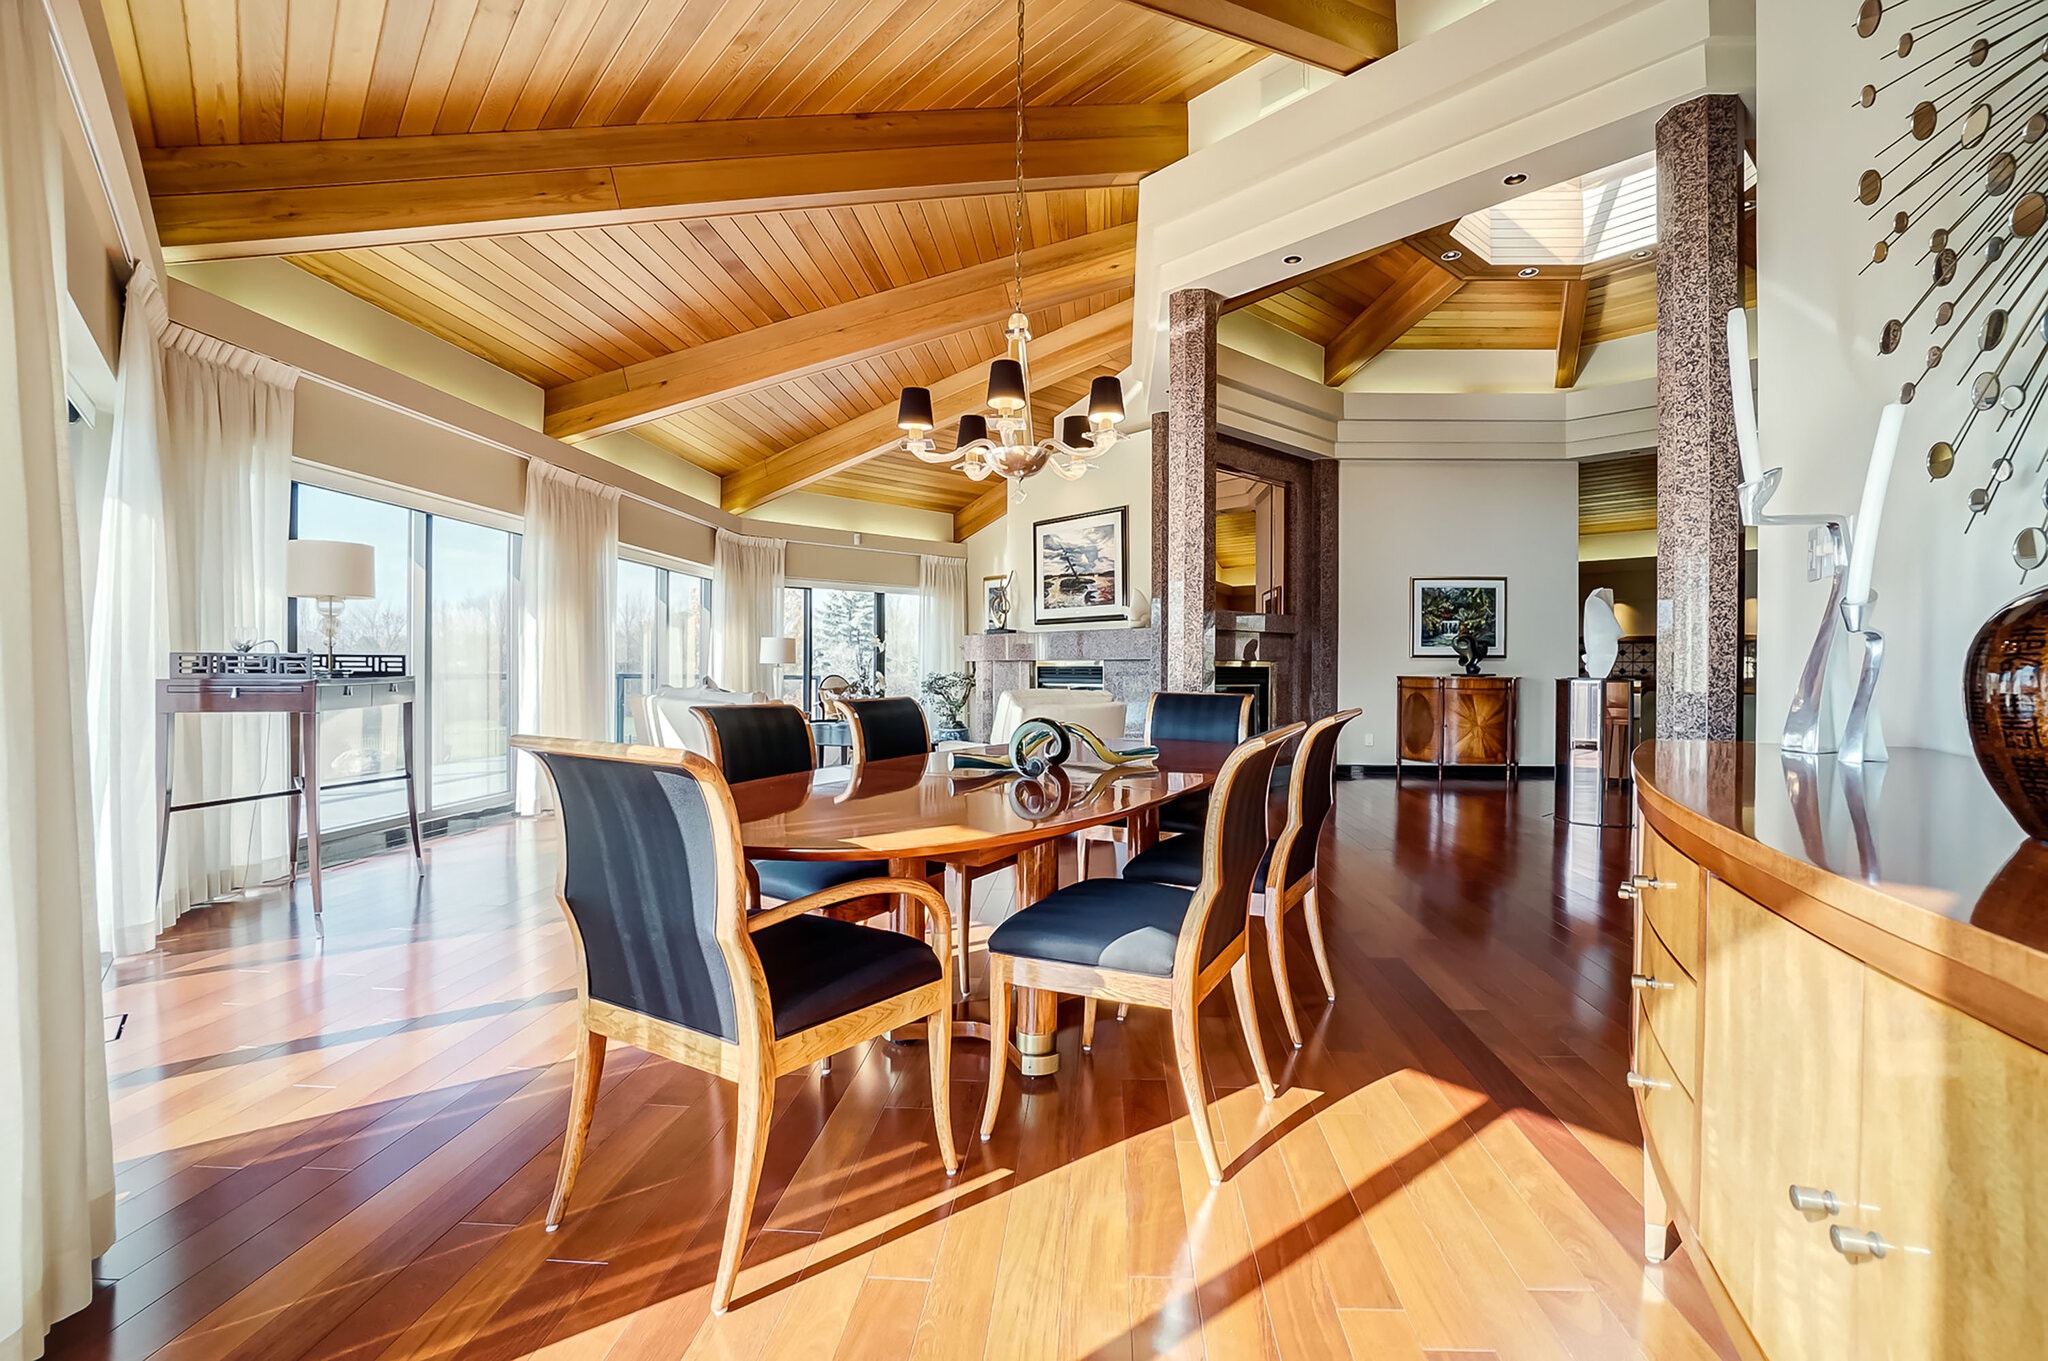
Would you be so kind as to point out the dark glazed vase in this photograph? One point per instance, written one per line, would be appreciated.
(2005, 695)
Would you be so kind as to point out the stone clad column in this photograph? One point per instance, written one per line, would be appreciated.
(1699, 531)
(1184, 511)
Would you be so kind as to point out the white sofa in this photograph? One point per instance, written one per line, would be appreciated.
(666, 716)
(1092, 709)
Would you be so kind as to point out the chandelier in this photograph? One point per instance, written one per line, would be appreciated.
(1002, 442)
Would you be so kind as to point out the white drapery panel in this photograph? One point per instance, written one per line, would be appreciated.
(128, 635)
(56, 1154)
(226, 467)
(942, 611)
(746, 606)
(569, 574)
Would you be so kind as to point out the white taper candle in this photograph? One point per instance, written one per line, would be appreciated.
(1863, 546)
(1745, 397)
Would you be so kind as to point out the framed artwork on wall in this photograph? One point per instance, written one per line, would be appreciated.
(1442, 608)
(1080, 568)
(995, 604)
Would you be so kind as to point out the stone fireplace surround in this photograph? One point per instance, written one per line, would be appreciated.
(1004, 661)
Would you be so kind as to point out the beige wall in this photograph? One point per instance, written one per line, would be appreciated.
(1122, 478)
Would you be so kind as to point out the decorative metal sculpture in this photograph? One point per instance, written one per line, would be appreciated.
(1042, 744)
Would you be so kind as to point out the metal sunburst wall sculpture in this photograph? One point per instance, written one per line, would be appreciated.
(1965, 181)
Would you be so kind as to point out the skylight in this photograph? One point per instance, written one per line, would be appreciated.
(1593, 217)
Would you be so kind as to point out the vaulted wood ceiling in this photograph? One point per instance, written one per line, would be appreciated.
(735, 227)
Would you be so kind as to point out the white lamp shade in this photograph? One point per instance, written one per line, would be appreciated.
(778, 652)
(327, 569)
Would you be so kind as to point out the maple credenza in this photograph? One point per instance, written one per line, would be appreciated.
(1841, 1012)
(1457, 720)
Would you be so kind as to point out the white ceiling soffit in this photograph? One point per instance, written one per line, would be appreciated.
(1593, 217)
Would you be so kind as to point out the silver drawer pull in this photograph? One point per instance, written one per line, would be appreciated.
(1858, 1242)
(1807, 1199)
(1652, 1084)
(1647, 982)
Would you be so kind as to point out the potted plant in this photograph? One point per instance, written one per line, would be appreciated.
(945, 694)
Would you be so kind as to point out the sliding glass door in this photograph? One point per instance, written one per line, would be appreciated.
(661, 635)
(868, 638)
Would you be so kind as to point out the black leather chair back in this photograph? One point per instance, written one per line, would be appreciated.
(886, 728)
(1198, 716)
(1235, 840)
(642, 851)
(755, 741)
(1310, 795)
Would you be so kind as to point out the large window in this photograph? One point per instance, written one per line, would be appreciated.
(867, 637)
(662, 629)
(446, 598)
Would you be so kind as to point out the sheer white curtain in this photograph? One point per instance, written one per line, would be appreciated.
(128, 635)
(942, 610)
(746, 606)
(226, 467)
(56, 1158)
(569, 575)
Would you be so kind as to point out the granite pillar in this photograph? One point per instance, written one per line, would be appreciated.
(1699, 530)
(1184, 514)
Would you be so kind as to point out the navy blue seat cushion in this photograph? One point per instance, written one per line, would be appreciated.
(820, 968)
(1178, 860)
(787, 879)
(1118, 924)
(1188, 813)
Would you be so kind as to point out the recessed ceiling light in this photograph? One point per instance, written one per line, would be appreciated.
(1291, 260)
(1643, 254)
(1452, 255)
(1528, 272)
(1517, 178)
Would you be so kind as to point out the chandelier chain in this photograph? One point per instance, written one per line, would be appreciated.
(1017, 204)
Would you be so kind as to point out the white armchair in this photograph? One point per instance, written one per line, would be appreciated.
(666, 716)
(1092, 709)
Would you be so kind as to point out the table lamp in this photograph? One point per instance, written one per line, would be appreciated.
(778, 652)
(329, 572)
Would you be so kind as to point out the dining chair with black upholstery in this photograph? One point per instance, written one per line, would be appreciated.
(1194, 716)
(754, 742)
(1156, 945)
(884, 729)
(674, 957)
(1311, 791)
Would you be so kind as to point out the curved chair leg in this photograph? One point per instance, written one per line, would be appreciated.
(749, 1150)
(939, 1039)
(1312, 908)
(582, 1105)
(1187, 1054)
(1276, 952)
(1087, 1023)
(998, 1038)
(1248, 1018)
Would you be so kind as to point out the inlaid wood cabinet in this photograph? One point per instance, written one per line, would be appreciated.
(1457, 720)
(1859, 1163)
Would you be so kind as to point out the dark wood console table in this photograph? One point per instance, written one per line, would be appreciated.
(1457, 720)
(302, 699)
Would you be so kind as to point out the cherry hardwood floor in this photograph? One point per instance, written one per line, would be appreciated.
(343, 1146)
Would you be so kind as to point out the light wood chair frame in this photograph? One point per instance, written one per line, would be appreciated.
(1179, 993)
(1278, 900)
(756, 1057)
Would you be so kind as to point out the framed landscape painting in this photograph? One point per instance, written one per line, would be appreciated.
(1080, 568)
(1444, 607)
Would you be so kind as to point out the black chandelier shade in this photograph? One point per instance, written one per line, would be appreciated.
(972, 428)
(1074, 432)
(914, 410)
(1006, 385)
(1106, 399)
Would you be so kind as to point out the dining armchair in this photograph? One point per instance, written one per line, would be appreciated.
(1149, 944)
(757, 741)
(670, 958)
(1194, 716)
(1311, 791)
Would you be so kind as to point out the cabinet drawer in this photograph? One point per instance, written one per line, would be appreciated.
(1672, 1013)
(1671, 900)
(1669, 1124)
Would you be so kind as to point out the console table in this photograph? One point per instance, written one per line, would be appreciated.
(302, 699)
(1457, 720)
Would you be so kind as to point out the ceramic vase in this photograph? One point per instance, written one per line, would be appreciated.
(2005, 695)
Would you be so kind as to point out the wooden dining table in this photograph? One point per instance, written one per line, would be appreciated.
(916, 810)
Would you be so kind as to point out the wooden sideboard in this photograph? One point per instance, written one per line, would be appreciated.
(1457, 720)
(1841, 1050)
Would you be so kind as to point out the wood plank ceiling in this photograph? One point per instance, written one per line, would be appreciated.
(827, 163)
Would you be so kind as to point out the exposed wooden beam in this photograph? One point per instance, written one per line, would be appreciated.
(1337, 35)
(1087, 344)
(841, 334)
(1424, 288)
(987, 508)
(1276, 288)
(1571, 332)
(269, 198)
